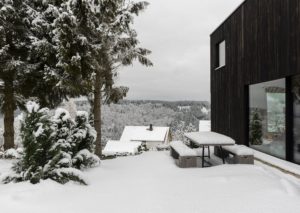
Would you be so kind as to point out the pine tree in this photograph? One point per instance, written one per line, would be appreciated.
(119, 48)
(93, 39)
(256, 129)
(28, 59)
(14, 46)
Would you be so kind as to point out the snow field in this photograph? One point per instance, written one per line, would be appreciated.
(151, 182)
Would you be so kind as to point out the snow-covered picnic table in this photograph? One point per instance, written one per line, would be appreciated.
(207, 139)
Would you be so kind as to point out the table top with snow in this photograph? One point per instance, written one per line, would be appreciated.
(151, 182)
(209, 139)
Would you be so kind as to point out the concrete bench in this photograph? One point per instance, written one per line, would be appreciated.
(184, 156)
(239, 154)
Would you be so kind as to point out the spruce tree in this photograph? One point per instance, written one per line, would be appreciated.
(256, 129)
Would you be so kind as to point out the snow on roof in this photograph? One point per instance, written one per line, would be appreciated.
(142, 133)
(117, 148)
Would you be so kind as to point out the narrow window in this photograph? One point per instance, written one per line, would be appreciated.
(221, 54)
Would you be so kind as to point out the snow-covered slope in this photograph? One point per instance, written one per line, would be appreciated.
(151, 182)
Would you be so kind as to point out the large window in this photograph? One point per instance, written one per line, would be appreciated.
(267, 117)
(221, 54)
(296, 93)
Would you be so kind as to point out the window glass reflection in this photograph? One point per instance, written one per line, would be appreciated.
(267, 117)
(296, 92)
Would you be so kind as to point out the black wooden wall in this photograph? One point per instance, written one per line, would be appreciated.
(262, 44)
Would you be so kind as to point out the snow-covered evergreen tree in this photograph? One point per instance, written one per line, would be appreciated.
(59, 167)
(14, 48)
(28, 58)
(36, 137)
(83, 139)
(256, 132)
(55, 147)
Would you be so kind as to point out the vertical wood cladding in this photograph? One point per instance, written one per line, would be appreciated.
(262, 44)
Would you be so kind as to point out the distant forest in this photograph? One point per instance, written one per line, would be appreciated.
(180, 116)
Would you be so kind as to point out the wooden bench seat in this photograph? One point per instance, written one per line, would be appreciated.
(239, 154)
(184, 156)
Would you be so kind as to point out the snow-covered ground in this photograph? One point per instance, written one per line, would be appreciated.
(151, 182)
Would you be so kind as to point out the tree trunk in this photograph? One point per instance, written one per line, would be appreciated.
(9, 108)
(97, 113)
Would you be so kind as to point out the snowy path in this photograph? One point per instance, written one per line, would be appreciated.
(151, 183)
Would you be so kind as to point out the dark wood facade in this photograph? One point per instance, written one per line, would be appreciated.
(262, 44)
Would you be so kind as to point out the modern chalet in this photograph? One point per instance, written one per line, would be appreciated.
(255, 77)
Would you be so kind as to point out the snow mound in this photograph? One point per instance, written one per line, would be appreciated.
(11, 154)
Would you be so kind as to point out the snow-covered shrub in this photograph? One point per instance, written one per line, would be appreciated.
(54, 147)
(143, 148)
(36, 139)
(10, 153)
(57, 168)
(163, 147)
(83, 139)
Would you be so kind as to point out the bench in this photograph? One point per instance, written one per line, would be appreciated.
(184, 155)
(239, 154)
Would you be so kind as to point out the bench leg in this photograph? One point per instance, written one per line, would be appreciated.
(203, 147)
(222, 154)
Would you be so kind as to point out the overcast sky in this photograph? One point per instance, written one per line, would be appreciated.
(177, 32)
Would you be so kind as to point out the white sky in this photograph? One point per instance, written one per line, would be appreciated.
(177, 32)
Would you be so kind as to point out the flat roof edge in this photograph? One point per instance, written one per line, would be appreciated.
(231, 14)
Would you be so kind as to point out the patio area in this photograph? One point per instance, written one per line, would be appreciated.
(151, 182)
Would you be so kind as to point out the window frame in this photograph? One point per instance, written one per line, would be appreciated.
(218, 57)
